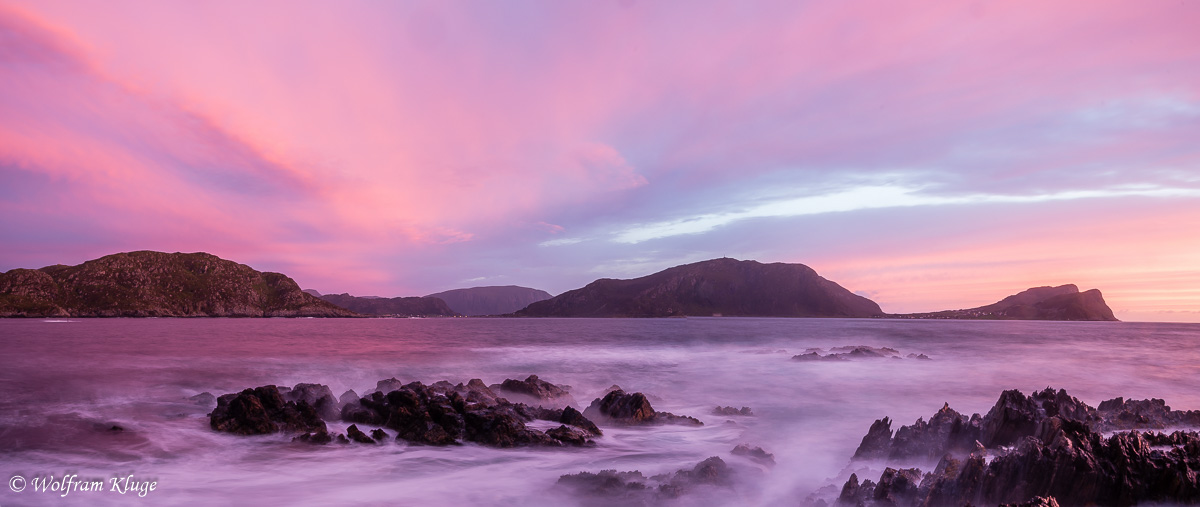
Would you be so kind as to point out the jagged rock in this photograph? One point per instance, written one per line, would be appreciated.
(744, 411)
(317, 395)
(355, 434)
(897, 487)
(754, 453)
(877, 443)
(1045, 448)
(576, 418)
(263, 410)
(347, 398)
(379, 435)
(617, 407)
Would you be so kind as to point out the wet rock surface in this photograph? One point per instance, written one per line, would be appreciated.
(263, 410)
(438, 414)
(631, 409)
(1047, 448)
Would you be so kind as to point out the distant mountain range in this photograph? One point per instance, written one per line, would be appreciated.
(398, 307)
(156, 284)
(726, 287)
(1064, 302)
(494, 300)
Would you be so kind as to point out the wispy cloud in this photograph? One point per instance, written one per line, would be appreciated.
(868, 198)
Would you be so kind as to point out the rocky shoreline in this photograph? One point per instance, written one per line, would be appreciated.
(1046, 448)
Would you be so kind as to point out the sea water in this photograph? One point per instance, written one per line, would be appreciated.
(64, 385)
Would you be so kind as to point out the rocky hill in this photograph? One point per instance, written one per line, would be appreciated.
(156, 284)
(398, 307)
(494, 300)
(1064, 302)
(727, 287)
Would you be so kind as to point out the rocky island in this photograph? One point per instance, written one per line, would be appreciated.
(718, 287)
(157, 284)
(1064, 302)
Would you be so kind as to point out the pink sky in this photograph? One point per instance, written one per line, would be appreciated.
(928, 156)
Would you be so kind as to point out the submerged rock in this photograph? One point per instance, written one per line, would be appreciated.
(744, 411)
(755, 453)
(611, 487)
(534, 391)
(617, 407)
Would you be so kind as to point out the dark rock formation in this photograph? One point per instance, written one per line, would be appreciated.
(263, 410)
(320, 397)
(1047, 447)
(356, 435)
(1064, 302)
(617, 407)
(156, 284)
(744, 411)
(445, 414)
(716, 287)
(610, 487)
(395, 307)
(495, 300)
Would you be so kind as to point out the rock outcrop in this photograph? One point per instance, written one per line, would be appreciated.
(263, 410)
(725, 287)
(437, 414)
(619, 408)
(494, 300)
(157, 284)
(1044, 449)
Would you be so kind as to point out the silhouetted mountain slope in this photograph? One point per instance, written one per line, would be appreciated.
(726, 287)
(494, 300)
(156, 284)
(1064, 302)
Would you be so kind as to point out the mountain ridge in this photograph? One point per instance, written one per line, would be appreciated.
(491, 300)
(156, 284)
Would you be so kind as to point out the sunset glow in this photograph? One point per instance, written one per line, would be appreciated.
(928, 156)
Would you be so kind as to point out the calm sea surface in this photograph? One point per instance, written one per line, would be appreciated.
(64, 384)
